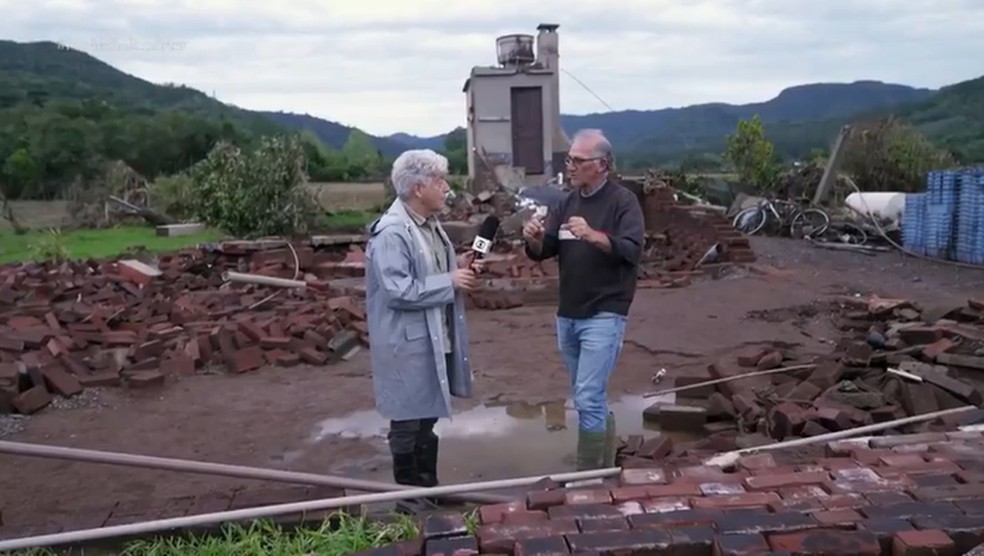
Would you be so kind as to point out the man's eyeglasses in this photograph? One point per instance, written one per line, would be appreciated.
(577, 160)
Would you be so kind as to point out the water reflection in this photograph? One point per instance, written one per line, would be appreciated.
(497, 420)
(494, 441)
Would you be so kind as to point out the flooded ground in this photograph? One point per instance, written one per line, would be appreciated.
(491, 442)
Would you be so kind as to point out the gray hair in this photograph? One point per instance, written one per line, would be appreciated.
(602, 147)
(416, 167)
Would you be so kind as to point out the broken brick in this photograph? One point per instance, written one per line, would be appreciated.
(913, 543)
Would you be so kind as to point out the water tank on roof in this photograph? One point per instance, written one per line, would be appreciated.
(515, 50)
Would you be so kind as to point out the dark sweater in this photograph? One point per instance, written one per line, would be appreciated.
(591, 280)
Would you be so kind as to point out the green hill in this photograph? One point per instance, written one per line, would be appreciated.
(63, 112)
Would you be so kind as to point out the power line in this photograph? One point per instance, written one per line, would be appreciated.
(588, 89)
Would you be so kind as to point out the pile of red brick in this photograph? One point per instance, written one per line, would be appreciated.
(511, 279)
(855, 385)
(894, 495)
(68, 326)
(681, 235)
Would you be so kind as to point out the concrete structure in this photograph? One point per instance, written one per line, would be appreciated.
(514, 108)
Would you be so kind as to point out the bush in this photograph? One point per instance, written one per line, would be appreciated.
(887, 155)
(257, 193)
(173, 196)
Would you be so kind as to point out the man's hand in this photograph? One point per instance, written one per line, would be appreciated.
(464, 279)
(469, 259)
(533, 231)
(579, 227)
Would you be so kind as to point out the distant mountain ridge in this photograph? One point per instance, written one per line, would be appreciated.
(678, 129)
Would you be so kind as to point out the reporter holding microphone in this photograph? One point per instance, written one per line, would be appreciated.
(415, 313)
(597, 234)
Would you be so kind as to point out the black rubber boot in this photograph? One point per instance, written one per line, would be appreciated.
(427, 453)
(427, 450)
(407, 472)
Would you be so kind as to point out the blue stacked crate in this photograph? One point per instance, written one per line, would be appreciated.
(914, 223)
(970, 228)
(942, 189)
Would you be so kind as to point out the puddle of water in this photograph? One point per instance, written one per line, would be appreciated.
(495, 441)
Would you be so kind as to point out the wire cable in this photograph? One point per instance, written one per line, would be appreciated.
(884, 235)
(588, 89)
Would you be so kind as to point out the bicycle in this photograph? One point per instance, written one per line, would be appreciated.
(781, 213)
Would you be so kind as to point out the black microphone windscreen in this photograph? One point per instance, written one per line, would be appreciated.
(489, 227)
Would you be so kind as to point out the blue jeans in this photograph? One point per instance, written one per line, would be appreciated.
(590, 349)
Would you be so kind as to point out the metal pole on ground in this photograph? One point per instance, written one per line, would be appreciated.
(728, 459)
(159, 525)
(221, 469)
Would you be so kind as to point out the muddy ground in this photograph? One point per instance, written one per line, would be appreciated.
(322, 419)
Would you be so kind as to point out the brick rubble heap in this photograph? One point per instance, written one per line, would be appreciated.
(848, 388)
(893, 495)
(65, 327)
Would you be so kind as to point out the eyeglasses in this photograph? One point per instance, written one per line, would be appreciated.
(577, 161)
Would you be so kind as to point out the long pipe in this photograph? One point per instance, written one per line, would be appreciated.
(208, 468)
(731, 378)
(281, 509)
(727, 459)
(233, 276)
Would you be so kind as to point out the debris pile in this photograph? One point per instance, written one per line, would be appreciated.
(892, 495)
(68, 326)
(896, 360)
(681, 237)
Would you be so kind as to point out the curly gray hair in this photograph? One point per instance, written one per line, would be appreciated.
(415, 167)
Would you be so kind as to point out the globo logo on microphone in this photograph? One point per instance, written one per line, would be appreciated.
(482, 245)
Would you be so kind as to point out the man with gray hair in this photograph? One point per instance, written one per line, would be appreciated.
(415, 312)
(597, 234)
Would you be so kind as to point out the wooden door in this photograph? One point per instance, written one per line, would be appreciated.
(527, 128)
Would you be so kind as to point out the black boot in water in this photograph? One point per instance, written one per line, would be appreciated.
(427, 453)
(407, 472)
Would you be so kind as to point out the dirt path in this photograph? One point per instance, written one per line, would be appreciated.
(321, 419)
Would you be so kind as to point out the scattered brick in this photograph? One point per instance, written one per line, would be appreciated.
(740, 545)
(457, 546)
(747, 500)
(588, 497)
(493, 513)
(444, 525)
(775, 481)
(838, 519)
(541, 546)
(643, 477)
(174, 319)
(827, 541)
(502, 537)
(626, 542)
(912, 543)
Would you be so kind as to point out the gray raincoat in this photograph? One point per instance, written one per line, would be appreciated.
(404, 312)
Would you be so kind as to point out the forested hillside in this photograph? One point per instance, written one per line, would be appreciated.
(63, 113)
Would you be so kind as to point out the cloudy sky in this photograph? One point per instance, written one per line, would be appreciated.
(389, 65)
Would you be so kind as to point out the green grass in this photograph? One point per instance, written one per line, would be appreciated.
(84, 244)
(348, 220)
(264, 538)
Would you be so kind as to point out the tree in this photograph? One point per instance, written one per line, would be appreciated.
(752, 155)
(253, 193)
(456, 151)
(364, 159)
(888, 155)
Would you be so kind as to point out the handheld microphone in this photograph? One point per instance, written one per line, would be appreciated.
(482, 244)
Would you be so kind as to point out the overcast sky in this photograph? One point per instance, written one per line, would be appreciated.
(389, 65)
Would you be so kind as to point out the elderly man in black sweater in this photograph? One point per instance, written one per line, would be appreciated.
(597, 235)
